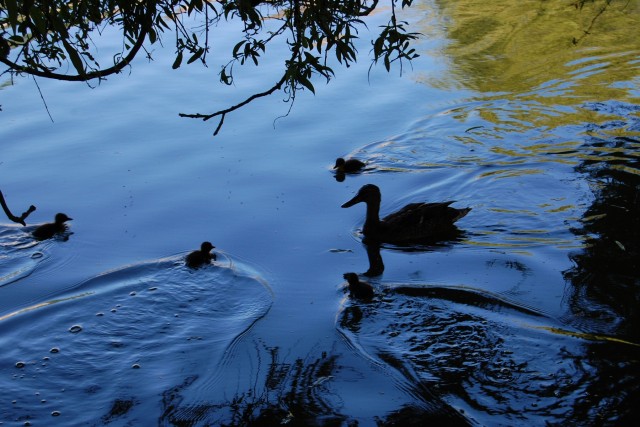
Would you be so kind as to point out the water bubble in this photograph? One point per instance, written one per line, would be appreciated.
(54, 350)
(132, 294)
(37, 255)
(55, 413)
(99, 314)
(135, 366)
(20, 365)
(75, 329)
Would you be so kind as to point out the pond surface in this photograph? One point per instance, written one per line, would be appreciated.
(529, 114)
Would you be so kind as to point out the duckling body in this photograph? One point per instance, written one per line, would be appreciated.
(50, 229)
(200, 257)
(348, 166)
(358, 289)
(413, 223)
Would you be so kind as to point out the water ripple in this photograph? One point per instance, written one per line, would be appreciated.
(16, 261)
(491, 356)
(118, 341)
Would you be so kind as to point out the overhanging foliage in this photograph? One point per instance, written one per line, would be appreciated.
(45, 37)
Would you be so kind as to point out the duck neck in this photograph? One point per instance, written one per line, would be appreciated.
(373, 219)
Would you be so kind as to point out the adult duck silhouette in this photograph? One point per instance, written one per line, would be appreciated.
(50, 229)
(414, 223)
(200, 257)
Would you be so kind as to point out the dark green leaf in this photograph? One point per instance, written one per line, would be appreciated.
(74, 57)
(17, 39)
(12, 12)
(237, 47)
(178, 61)
(152, 36)
(306, 83)
(38, 19)
(195, 56)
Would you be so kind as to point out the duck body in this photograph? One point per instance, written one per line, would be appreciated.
(200, 257)
(50, 229)
(348, 166)
(416, 222)
(358, 289)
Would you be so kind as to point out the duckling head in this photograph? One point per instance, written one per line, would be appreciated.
(352, 278)
(62, 218)
(206, 247)
(339, 163)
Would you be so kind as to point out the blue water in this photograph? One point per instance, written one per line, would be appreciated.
(488, 329)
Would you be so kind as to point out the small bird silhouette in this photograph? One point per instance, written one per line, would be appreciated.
(358, 289)
(200, 257)
(50, 229)
(348, 166)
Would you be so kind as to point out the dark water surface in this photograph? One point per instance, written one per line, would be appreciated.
(527, 113)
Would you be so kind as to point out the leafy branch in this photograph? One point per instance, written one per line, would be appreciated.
(41, 37)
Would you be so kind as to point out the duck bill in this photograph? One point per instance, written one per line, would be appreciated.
(353, 201)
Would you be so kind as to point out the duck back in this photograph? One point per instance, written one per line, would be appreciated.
(418, 222)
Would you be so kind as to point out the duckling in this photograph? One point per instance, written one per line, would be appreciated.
(200, 257)
(358, 289)
(413, 223)
(348, 166)
(50, 229)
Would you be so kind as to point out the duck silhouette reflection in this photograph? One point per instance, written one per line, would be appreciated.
(349, 166)
(376, 265)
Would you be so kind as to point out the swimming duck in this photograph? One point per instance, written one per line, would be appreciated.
(358, 289)
(50, 229)
(348, 166)
(203, 256)
(413, 223)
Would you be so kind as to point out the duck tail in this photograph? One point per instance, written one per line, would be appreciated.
(461, 213)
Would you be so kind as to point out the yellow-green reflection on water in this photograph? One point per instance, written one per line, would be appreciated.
(540, 54)
(534, 42)
(586, 336)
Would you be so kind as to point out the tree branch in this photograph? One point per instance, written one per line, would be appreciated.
(222, 113)
(94, 74)
(11, 216)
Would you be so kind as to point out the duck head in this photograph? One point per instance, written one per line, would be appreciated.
(368, 193)
(339, 163)
(62, 218)
(206, 247)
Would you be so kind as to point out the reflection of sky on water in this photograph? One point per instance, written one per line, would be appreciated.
(533, 138)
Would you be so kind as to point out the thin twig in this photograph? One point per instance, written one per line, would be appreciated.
(42, 97)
